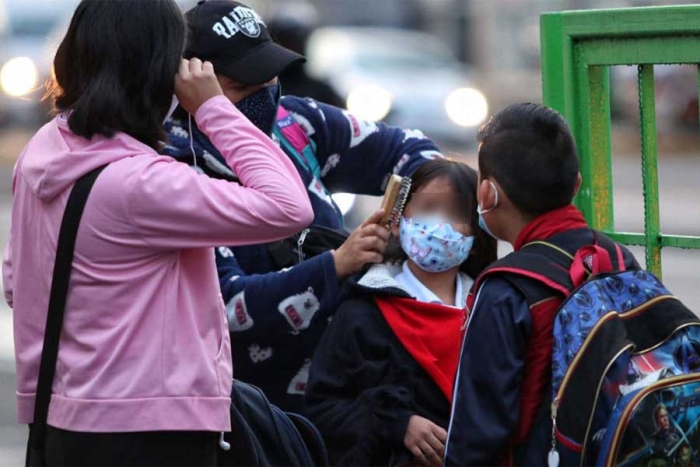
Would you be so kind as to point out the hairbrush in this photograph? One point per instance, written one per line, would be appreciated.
(394, 201)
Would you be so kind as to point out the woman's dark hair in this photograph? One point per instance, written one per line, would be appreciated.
(115, 68)
(463, 180)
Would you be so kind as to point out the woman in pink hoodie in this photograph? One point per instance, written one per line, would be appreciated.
(144, 364)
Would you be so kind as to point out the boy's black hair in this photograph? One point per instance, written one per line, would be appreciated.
(115, 68)
(528, 148)
(463, 180)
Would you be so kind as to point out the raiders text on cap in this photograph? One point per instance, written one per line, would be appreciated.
(241, 19)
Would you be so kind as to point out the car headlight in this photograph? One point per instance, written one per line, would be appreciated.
(369, 102)
(19, 77)
(467, 107)
(344, 201)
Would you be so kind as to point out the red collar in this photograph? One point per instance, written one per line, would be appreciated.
(430, 332)
(551, 223)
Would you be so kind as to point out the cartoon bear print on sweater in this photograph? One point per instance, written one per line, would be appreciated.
(259, 355)
(237, 312)
(298, 384)
(300, 309)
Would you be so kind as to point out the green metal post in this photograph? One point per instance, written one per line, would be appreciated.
(600, 148)
(577, 49)
(650, 172)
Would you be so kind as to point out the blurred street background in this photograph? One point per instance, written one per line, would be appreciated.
(440, 66)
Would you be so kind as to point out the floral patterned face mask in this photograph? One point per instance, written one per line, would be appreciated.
(433, 244)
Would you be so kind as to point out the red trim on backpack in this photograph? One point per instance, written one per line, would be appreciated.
(569, 444)
(593, 258)
(620, 258)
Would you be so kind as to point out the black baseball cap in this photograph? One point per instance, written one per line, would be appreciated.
(235, 39)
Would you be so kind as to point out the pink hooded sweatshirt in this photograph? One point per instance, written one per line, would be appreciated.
(145, 343)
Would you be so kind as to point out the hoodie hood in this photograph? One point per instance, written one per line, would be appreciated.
(381, 279)
(55, 158)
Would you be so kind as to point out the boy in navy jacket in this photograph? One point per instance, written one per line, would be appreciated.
(528, 176)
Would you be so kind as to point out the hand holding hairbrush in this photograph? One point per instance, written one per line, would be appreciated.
(394, 201)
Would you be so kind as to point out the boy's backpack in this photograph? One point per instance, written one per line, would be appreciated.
(626, 355)
(625, 360)
(263, 435)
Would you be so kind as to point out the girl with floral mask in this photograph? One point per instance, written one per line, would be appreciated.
(380, 384)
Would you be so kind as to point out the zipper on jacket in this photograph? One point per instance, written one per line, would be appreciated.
(300, 244)
(553, 457)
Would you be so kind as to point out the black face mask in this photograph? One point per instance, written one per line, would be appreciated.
(261, 107)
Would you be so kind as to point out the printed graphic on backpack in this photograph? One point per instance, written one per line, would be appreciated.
(656, 426)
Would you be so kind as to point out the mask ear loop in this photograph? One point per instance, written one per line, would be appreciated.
(482, 211)
(189, 123)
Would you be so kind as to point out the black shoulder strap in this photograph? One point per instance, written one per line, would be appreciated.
(57, 302)
(537, 262)
(547, 262)
(564, 256)
(554, 270)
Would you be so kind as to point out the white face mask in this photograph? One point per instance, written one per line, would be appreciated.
(433, 244)
(481, 212)
(171, 111)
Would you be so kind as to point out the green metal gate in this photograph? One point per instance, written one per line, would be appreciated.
(578, 47)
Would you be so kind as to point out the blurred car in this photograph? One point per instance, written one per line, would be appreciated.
(26, 28)
(405, 78)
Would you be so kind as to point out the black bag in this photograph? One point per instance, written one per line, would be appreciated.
(36, 455)
(263, 435)
(310, 242)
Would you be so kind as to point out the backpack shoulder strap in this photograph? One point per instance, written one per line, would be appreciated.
(57, 303)
(613, 249)
(554, 265)
(538, 263)
(604, 256)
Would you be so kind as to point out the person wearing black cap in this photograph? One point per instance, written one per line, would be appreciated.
(277, 309)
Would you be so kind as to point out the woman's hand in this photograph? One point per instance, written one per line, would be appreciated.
(365, 245)
(195, 84)
(425, 440)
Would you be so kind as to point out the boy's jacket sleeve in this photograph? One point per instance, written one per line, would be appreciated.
(487, 390)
